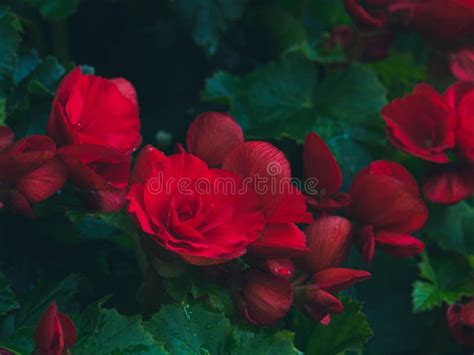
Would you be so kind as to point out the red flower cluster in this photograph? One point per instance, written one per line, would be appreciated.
(30, 171)
(95, 123)
(429, 125)
(55, 333)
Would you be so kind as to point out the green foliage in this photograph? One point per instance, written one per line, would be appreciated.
(209, 19)
(104, 331)
(349, 330)
(444, 279)
(263, 342)
(452, 227)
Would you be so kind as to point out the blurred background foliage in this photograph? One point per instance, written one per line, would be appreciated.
(268, 63)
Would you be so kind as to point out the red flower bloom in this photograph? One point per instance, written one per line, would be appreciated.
(186, 207)
(88, 109)
(329, 241)
(461, 323)
(30, 172)
(265, 298)
(448, 20)
(318, 298)
(386, 203)
(266, 169)
(101, 173)
(422, 124)
(55, 333)
(212, 135)
(322, 171)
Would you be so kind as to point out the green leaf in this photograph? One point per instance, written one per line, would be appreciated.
(104, 331)
(9, 43)
(446, 279)
(351, 94)
(209, 19)
(186, 329)
(399, 72)
(263, 342)
(347, 331)
(7, 297)
(54, 9)
(452, 227)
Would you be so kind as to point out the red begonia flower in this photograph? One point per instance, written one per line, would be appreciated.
(265, 298)
(55, 333)
(421, 124)
(89, 109)
(387, 206)
(212, 135)
(183, 206)
(329, 241)
(323, 177)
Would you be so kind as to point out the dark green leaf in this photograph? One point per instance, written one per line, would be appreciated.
(186, 329)
(209, 19)
(55, 9)
(263, 342)
(347, 331)
(106, 332)
(7, 297)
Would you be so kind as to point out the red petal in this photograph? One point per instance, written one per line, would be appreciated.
(392, 169)
(337, 279)
(329, 240)
(455, 93)
(365, 241)
(320, 165)
(266, 166)
(19, 203)
(384, 202)
(6, 137)
(212, 135)
(45, 181)
(103, 201)
(449, 185)
(461, 64)
(280, 240)
(148, 158)
(126, 88)
(361, 16)
(46, 331)
(397, 244)
(68, 329)
(465, 129)
(319, 304)
(280, 267)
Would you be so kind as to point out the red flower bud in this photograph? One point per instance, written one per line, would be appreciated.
(329, 240)
(212, 135)
(461, 323)
(280, 267)
(265, 298)
(55, 333)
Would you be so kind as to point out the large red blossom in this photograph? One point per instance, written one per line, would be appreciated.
(185, 207)
(422, 124)
(461, 323)
(267, 170)
(318, 299)
(387, 206)
(89, 109)
(30, 172)
(323, 177)
(100, 173)
(55, 333)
